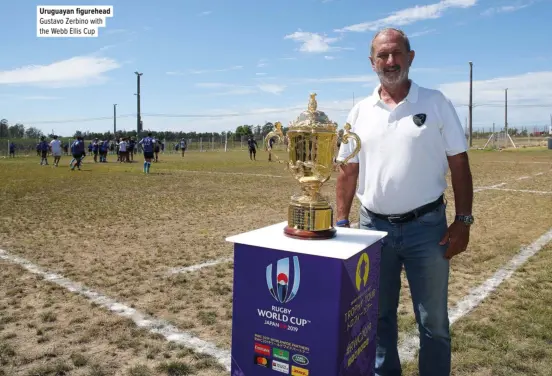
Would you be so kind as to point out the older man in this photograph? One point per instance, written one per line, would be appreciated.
(410, 137)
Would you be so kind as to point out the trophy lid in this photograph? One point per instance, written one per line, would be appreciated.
(312, 118)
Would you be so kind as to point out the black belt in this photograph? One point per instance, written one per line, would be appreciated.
(407, 217)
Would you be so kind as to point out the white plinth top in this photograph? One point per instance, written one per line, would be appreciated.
(347, 242)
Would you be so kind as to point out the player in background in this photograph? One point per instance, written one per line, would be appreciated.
(12, 150)
(104, 148)
(43, 147)
(183, 146)
(78, 151)
(55, 147)
(271, 143)
(131, 147)
(147, 144)
(95, 149)
(156, 149)
(252, 144)
(117, 142)
(123, 152)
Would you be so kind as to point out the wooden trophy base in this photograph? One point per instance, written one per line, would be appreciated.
(309, 235)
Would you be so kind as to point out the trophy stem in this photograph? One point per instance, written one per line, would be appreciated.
(312, 190)
(310, 217)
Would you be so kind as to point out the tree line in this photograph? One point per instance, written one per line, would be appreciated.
(259, 131)
(20, 131)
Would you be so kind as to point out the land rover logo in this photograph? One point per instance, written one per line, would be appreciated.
(300, 359)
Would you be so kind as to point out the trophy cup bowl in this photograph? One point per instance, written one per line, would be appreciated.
(312, 146)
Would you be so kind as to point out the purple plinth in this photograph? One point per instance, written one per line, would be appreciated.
(305, 307)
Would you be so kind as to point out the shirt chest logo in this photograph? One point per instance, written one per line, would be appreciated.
(419, 119)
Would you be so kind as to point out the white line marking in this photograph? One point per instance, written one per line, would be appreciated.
(517, 162)
(490, 187)
(193, 268)
(234, 173)
(221, 173)
(477, 295)
(409, 347)
(521, 190)
(479, 189)
(170, 332)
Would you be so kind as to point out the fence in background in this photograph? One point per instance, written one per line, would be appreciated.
(26, 146)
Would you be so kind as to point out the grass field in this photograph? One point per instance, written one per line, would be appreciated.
(114, 230)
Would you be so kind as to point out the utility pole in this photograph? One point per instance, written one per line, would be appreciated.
(471, 102)
(505, 117)
(114, 119)
(138, 115)
(506, 111)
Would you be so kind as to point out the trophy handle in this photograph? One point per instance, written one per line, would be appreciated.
(277, 132)
(345, 140)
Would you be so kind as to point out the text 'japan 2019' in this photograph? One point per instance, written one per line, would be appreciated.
(280, 317)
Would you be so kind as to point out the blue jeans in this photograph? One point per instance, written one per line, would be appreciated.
(415, 245)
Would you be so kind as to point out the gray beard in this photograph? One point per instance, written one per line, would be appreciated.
(401, 79)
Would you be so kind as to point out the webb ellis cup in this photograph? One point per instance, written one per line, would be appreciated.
(312, 146)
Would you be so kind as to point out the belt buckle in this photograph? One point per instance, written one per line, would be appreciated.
(401, 218)
(394, 218)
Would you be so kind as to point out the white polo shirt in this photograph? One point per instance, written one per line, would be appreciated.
(403, 165)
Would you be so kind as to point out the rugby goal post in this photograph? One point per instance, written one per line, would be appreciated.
(499, 140)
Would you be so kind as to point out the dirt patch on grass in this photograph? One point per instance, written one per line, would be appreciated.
(511, 332)
(46, 330)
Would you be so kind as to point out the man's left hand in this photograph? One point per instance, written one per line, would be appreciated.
(458, 236)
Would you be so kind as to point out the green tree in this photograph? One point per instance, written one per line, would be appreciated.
(17, 131)
(3, 128)
(33, 133)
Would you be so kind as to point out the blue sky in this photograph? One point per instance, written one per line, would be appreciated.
(258, 61)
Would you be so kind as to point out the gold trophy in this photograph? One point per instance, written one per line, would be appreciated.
(312, 146)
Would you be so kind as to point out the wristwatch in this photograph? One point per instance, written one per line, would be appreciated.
(465, 219)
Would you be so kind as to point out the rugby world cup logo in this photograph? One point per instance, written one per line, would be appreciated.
(286, 289)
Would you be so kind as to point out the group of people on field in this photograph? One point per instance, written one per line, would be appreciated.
(125, 148)
(55, 147)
